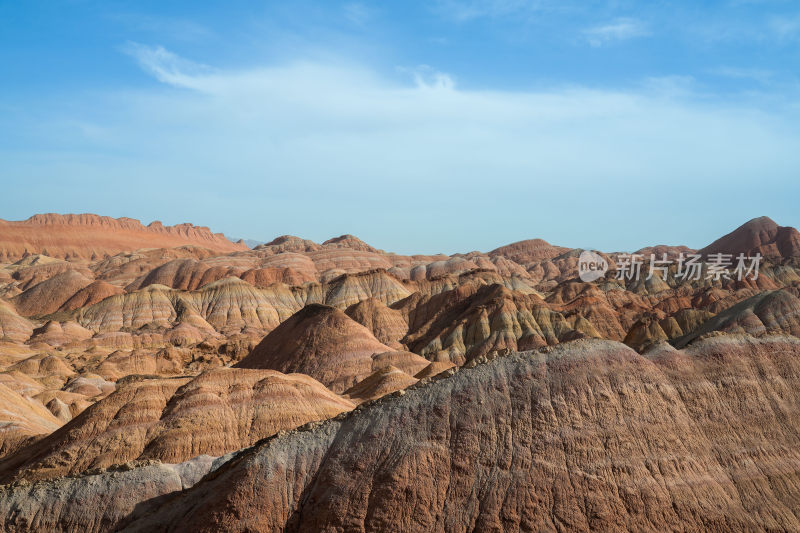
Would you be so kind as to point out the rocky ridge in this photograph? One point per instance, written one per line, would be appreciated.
(89, 236)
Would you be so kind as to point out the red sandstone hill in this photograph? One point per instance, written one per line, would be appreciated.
(171, 420)
(529, 251)
(326, 344)
(760, 235)
(89, 236)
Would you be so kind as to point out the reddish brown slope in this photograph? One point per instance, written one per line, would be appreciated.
(91, 294)
(760, 235)
(87, 236)
(529, 251)
(590, 436)
(173, 420)
(326, 344)
(48, 296)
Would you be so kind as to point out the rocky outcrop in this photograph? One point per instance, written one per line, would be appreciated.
(97, 502)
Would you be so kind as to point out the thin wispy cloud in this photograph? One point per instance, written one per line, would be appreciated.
(758, 75)
(622, 29)
(331, 139)
(427, 77)
(357, 13)
(759, 29)
(674, 86)
(167, 67)
(297, 116)
(785, 27)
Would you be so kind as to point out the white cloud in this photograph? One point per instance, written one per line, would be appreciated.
(167, 67)
(317, 148)
(620, 29)
(426, 77)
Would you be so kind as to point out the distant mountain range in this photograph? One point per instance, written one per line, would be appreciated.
(250, 243)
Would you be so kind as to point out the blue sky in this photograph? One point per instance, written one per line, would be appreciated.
(418, 126)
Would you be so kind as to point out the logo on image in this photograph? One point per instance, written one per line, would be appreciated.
(591, 266)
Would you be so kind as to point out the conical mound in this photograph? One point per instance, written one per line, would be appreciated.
(322, 342)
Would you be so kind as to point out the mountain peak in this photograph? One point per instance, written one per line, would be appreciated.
(349, 241)
(527, 251)
(320, 341)
(759, 235)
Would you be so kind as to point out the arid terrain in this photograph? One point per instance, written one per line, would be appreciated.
(164, 378)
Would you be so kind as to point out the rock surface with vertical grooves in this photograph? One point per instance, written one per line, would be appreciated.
(173, 420)
(588, 436)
